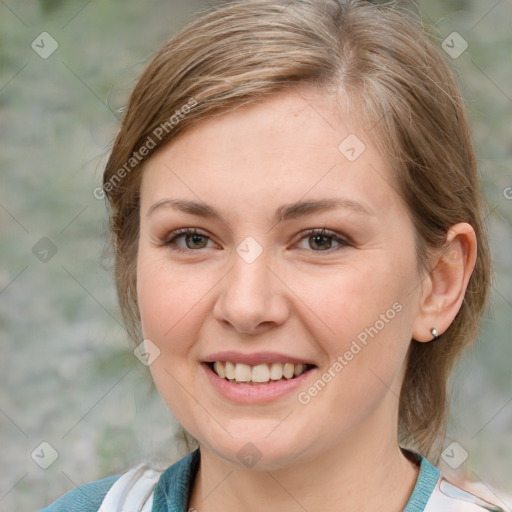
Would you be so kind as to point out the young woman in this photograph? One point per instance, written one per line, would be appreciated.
(297, 227)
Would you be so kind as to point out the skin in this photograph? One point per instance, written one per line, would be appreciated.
(295, 298)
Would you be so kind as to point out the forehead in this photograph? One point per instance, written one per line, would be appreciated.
(296, 144)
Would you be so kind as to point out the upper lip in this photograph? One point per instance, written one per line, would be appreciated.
(255, 358)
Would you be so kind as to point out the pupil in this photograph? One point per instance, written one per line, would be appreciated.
(316, 239)
(196, 239)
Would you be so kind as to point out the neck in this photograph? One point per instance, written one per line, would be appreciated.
(361, 475)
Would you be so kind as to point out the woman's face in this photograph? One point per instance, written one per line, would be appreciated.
(259, 290)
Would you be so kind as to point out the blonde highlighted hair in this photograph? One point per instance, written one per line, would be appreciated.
(395, 77)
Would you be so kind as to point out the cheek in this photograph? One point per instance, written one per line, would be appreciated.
(171, 311)
(363, 321)
(345, 301)
(168, 299)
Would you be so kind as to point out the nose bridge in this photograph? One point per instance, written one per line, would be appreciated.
(249, 282)
(251, 294)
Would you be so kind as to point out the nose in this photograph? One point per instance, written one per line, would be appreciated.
(252, 297)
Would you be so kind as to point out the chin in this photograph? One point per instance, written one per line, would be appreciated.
(260, 447)
(257, 457)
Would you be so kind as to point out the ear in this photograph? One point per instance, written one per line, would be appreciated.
(444, 287)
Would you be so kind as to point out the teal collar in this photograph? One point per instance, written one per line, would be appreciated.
(425, 484)
(173, 489)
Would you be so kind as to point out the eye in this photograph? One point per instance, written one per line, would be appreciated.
(193, 239)
(321, 240)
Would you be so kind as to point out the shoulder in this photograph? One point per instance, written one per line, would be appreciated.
(141, 484)
(434, 492)
(85, 498)
(464, 497)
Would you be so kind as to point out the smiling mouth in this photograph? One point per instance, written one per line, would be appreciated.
(259, 374)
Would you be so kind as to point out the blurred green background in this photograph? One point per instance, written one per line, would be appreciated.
(67, 373)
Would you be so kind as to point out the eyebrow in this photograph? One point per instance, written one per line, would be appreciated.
(283, 213)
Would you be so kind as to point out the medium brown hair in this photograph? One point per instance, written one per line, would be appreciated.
(395, 78)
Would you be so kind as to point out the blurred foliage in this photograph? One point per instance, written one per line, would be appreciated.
(50, 6)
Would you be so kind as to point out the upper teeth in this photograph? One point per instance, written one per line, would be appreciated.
(260, 373)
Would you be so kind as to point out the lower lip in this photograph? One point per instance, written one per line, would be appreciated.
(258, 394)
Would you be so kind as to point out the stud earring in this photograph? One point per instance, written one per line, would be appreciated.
(434, 333)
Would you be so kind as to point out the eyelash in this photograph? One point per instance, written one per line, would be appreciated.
(171, 239)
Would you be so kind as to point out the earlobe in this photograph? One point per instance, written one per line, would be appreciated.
(445, 285)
